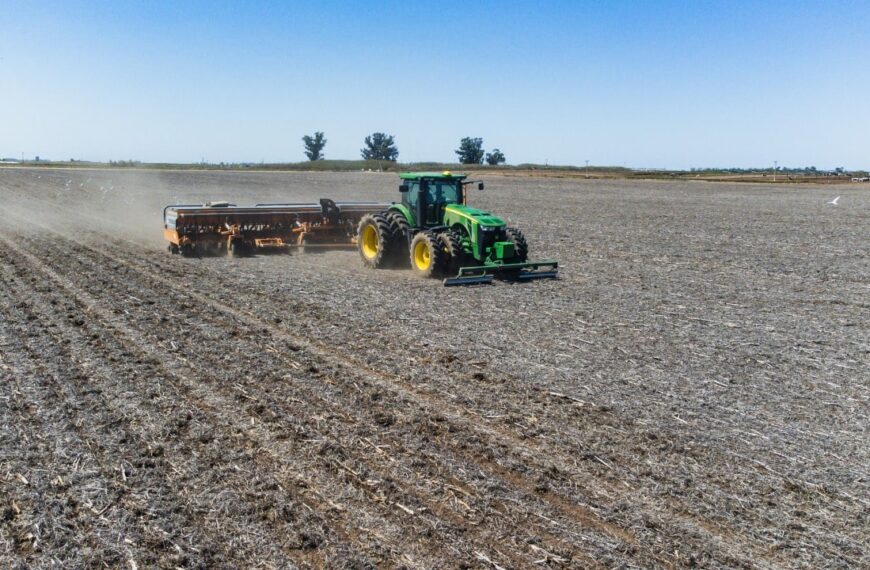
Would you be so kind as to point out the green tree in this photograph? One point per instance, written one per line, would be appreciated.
(314, 146)
(495, 157)
(380, 146)
(470, 151)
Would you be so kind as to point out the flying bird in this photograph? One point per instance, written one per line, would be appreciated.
(834, 201)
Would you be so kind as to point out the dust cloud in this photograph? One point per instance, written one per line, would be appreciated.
(102, 205)
(94, 204)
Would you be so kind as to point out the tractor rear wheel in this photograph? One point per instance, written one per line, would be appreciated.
(453, 251)
(521, 247)
(374, 240)
(428, 258)
(400, 227)
(398, 221)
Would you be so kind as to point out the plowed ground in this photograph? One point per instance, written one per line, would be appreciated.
(693, 391)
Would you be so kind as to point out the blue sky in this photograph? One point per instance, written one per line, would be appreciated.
(641, 84)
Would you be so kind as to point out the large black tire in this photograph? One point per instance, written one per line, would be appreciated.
(456, 257)
(399, 225)
(375, 240)
(428, 257)
(521, 247)
(398, 221)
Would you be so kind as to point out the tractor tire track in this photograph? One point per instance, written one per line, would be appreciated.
(50, 481)
(735, 407)
(88, 302)
(208, 439)
(439, 404)
(616, 479)
(73, 381)
(264, 397)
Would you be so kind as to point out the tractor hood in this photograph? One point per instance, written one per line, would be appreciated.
(481, 217)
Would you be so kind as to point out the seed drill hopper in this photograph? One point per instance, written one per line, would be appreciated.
(225, 228)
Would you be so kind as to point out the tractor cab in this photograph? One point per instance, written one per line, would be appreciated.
(425, 194)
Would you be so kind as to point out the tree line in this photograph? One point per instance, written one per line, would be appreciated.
(381, 146)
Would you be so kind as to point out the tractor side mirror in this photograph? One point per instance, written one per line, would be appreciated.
(403, 188)
(480, 185)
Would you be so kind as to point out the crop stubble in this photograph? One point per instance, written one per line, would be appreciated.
(692, 391)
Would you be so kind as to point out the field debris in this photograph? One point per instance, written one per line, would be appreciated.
(691, 392)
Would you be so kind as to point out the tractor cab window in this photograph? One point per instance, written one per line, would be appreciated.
(410, 197)
(439, 193)
(442, 192)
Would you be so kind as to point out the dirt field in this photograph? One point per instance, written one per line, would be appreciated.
(693, 391)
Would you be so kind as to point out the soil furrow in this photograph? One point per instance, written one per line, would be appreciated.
(59, 495)
(217, 325)
(602, 486)
(134, 512)
(692, 508)
(511, 475)
(694, 381)
(205, 467)
(80, 293)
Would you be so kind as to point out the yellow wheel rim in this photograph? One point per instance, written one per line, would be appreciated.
(370, 241)
(422, 255)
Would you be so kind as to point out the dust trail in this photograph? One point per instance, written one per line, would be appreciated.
(72, 200)
(102, 200)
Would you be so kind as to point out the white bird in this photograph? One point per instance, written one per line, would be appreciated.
(834, 201)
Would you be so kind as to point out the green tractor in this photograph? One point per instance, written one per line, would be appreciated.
(443, 237)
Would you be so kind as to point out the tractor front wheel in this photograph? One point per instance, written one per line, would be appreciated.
(374, 240)
(453, 252)
(521, 247)
(428, 258)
